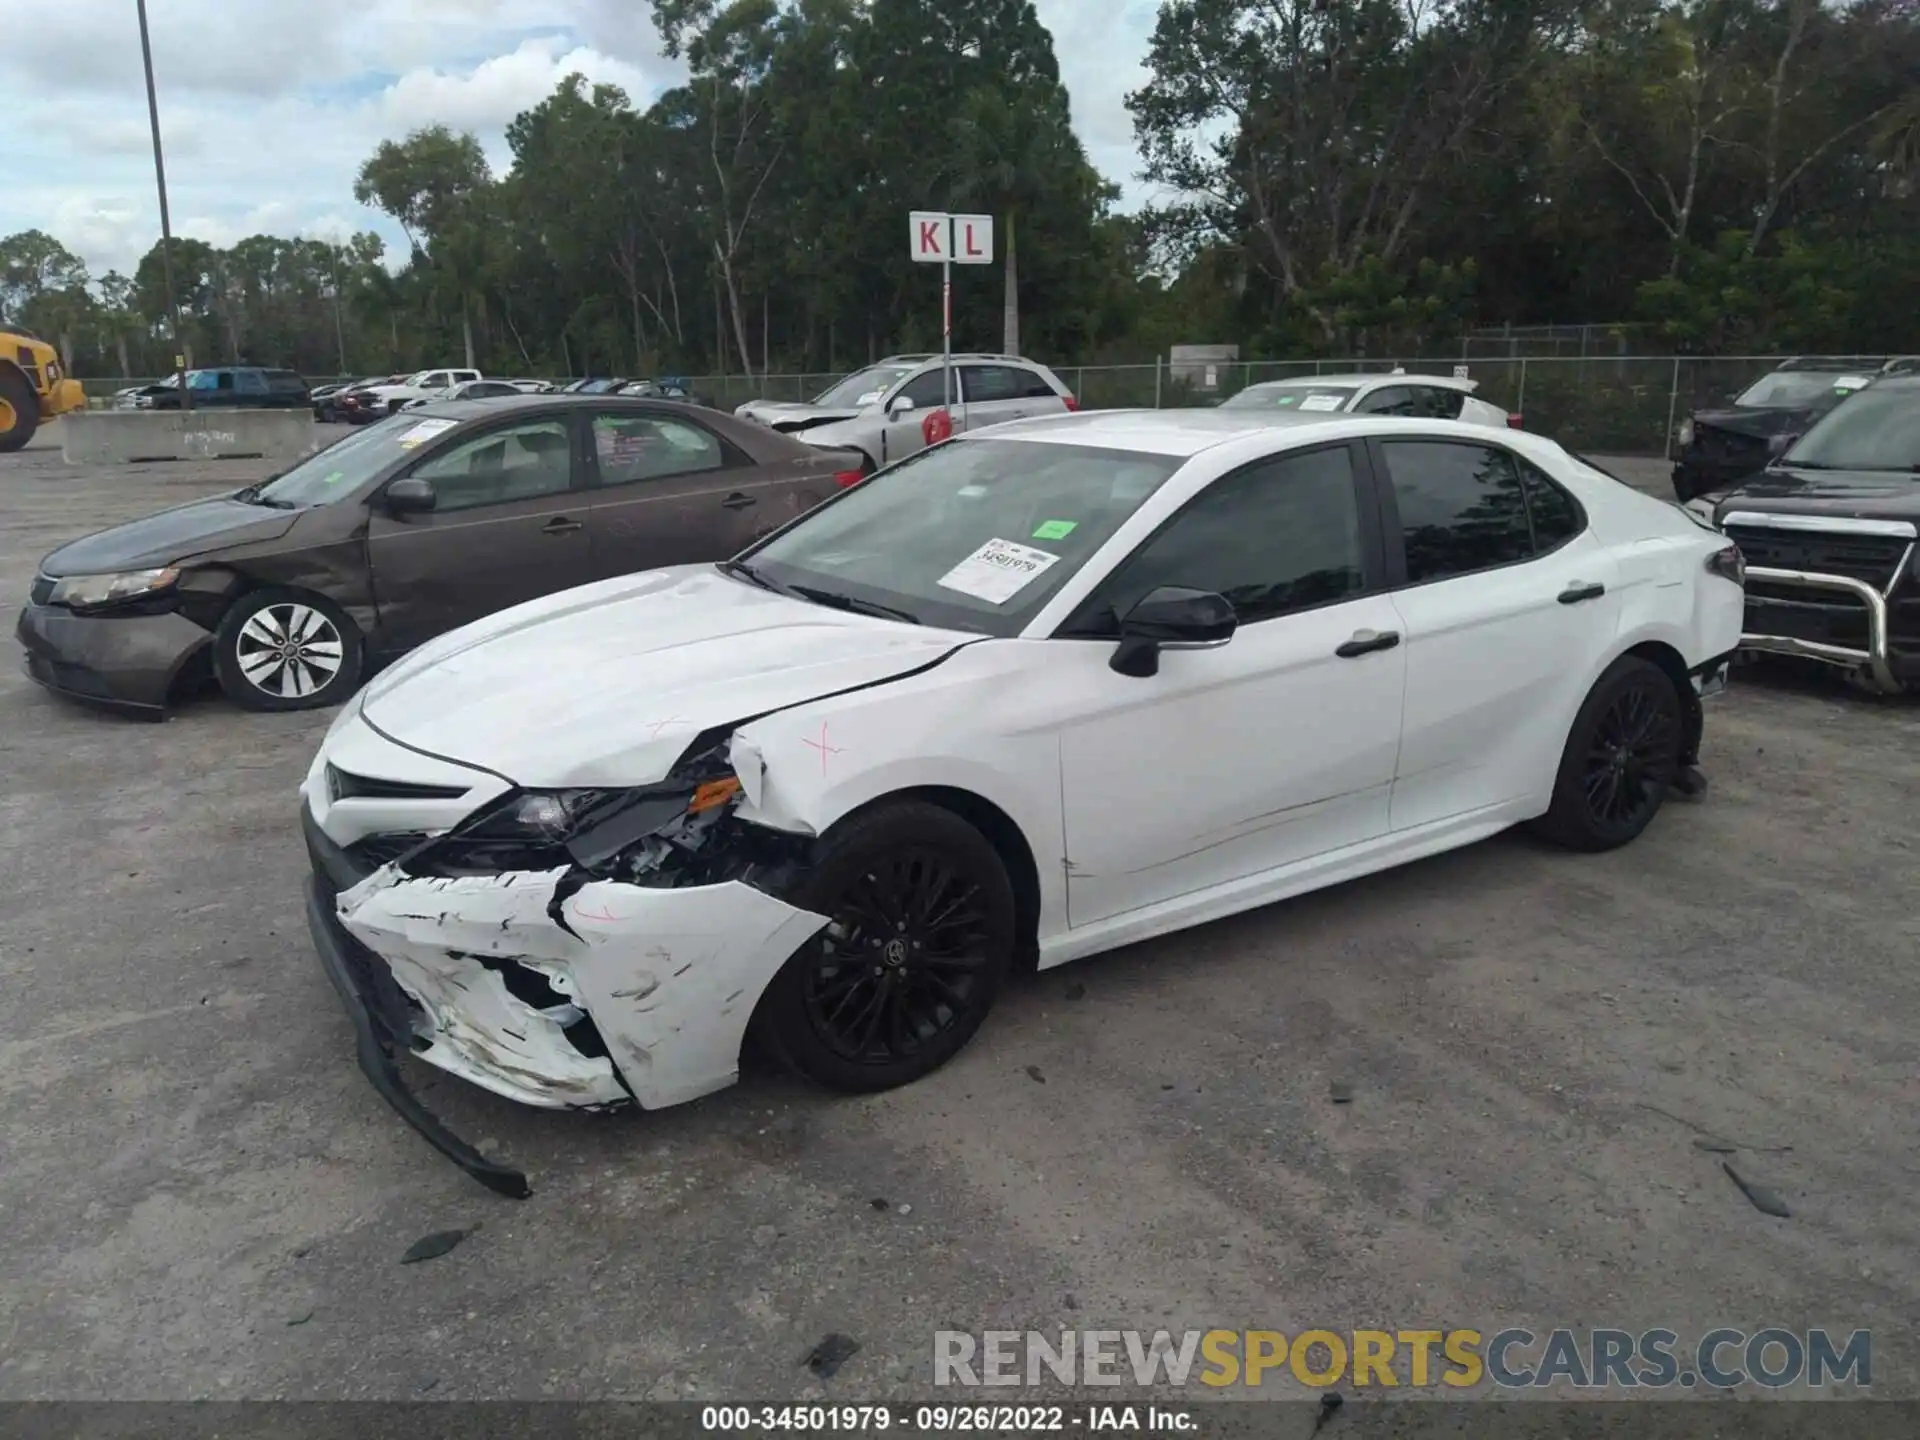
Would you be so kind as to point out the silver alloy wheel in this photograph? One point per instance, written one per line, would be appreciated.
(289, 650)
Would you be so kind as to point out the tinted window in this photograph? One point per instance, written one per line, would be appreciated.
(1280, 537)
(1440, 403)
(992, 382)
(1034, 386)
(651, 447)
(928, 391)
(436, 381)
(520, 462)
(1392, 400)
(1461, 507)
(1798, 389)
(1556, 518)
(253, 382)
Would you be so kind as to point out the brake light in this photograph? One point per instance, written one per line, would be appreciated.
(1729, 564)
(1515, 422)
(846, 479)
(1072, 404)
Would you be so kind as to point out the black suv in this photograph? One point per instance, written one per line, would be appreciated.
(1828, 531)
(1718, 447)
(231, 387)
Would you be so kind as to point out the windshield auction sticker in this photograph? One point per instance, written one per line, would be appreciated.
(425, 431)
(998, 571)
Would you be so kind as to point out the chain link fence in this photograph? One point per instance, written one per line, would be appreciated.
(1614, 404)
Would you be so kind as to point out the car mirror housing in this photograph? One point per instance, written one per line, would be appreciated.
(1171, 617)
(411, 496)
(900, 405)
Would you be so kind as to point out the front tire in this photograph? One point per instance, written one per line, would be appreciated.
(920, 931)
(1622, 754)
(19, 410)
(286, 650)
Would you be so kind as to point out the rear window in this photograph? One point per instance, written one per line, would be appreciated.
(1797, 389)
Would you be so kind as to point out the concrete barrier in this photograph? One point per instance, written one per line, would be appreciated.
(123, 437)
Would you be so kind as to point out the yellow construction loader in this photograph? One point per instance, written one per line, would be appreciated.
(32, 389)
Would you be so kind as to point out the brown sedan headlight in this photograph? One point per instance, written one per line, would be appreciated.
(86, 592)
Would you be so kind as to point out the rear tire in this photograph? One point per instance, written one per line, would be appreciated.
(1622, 754)
(282, 649)
(921, 929)
(21, 417)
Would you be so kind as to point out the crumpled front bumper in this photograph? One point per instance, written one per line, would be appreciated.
(615, 992)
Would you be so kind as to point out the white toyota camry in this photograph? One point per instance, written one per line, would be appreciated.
(1038, 692)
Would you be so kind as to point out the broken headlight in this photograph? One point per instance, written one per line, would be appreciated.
(549, 829)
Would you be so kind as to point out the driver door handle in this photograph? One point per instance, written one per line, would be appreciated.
(738, 501)
(1365, 642)
(1581, 590)
(559, 525)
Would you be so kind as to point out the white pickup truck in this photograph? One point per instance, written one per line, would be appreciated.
(425, 385)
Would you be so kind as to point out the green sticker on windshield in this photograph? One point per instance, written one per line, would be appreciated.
(335, 478)
(1055, 529)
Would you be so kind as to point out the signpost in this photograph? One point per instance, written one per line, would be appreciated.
(939, 238)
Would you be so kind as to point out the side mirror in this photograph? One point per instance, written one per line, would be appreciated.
(900, 405)
(1779, 444)
(410, 496)
(1171, 618)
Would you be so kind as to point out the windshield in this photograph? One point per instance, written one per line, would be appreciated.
(1874, 430)
(342, 468)
(969, 535)
(866, 387)
(1291, 396)
(1798, 389)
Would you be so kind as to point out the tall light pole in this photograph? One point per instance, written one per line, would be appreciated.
(166, 225)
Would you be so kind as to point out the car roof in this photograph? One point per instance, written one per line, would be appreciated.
(506, 404)
(1155, 432)
(1398, 377)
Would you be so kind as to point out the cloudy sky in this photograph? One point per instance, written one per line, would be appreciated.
(268, 107)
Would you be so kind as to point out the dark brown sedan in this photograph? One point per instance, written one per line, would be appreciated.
(288, 592)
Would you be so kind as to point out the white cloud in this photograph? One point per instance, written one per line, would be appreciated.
(268, 107)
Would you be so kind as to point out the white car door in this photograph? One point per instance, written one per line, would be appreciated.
(904, 432)
(1507, 603)
(1270, 749)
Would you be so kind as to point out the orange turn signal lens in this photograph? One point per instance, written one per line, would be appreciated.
(712, 794)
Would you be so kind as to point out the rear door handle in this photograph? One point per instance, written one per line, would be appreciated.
(1581, 590)
(559, 525)
(1365, 642)
(737, 501)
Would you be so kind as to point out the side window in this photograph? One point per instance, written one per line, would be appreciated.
(252, 382)
(521, 462)
(1280, 537)
(1556, 516)
(928, 389)
(630, 448)
(223, 380)
(1034, 386)
(990, 382)
(1442, 403)
(436, 381)
(1391, 400)
(1461, 507)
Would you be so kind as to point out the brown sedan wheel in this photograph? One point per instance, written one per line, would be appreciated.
(286, 650)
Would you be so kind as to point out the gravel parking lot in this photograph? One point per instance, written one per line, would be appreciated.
(204, 1198)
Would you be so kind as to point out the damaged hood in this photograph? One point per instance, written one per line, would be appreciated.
(1839, 494)
(608, 684)
(791, 415)
(172, 535)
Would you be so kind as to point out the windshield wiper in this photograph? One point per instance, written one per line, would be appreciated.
(251, 495)
(853, 603)
(740, 570)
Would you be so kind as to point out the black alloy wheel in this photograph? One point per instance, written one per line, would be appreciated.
(919, 933)
(1621, 758)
